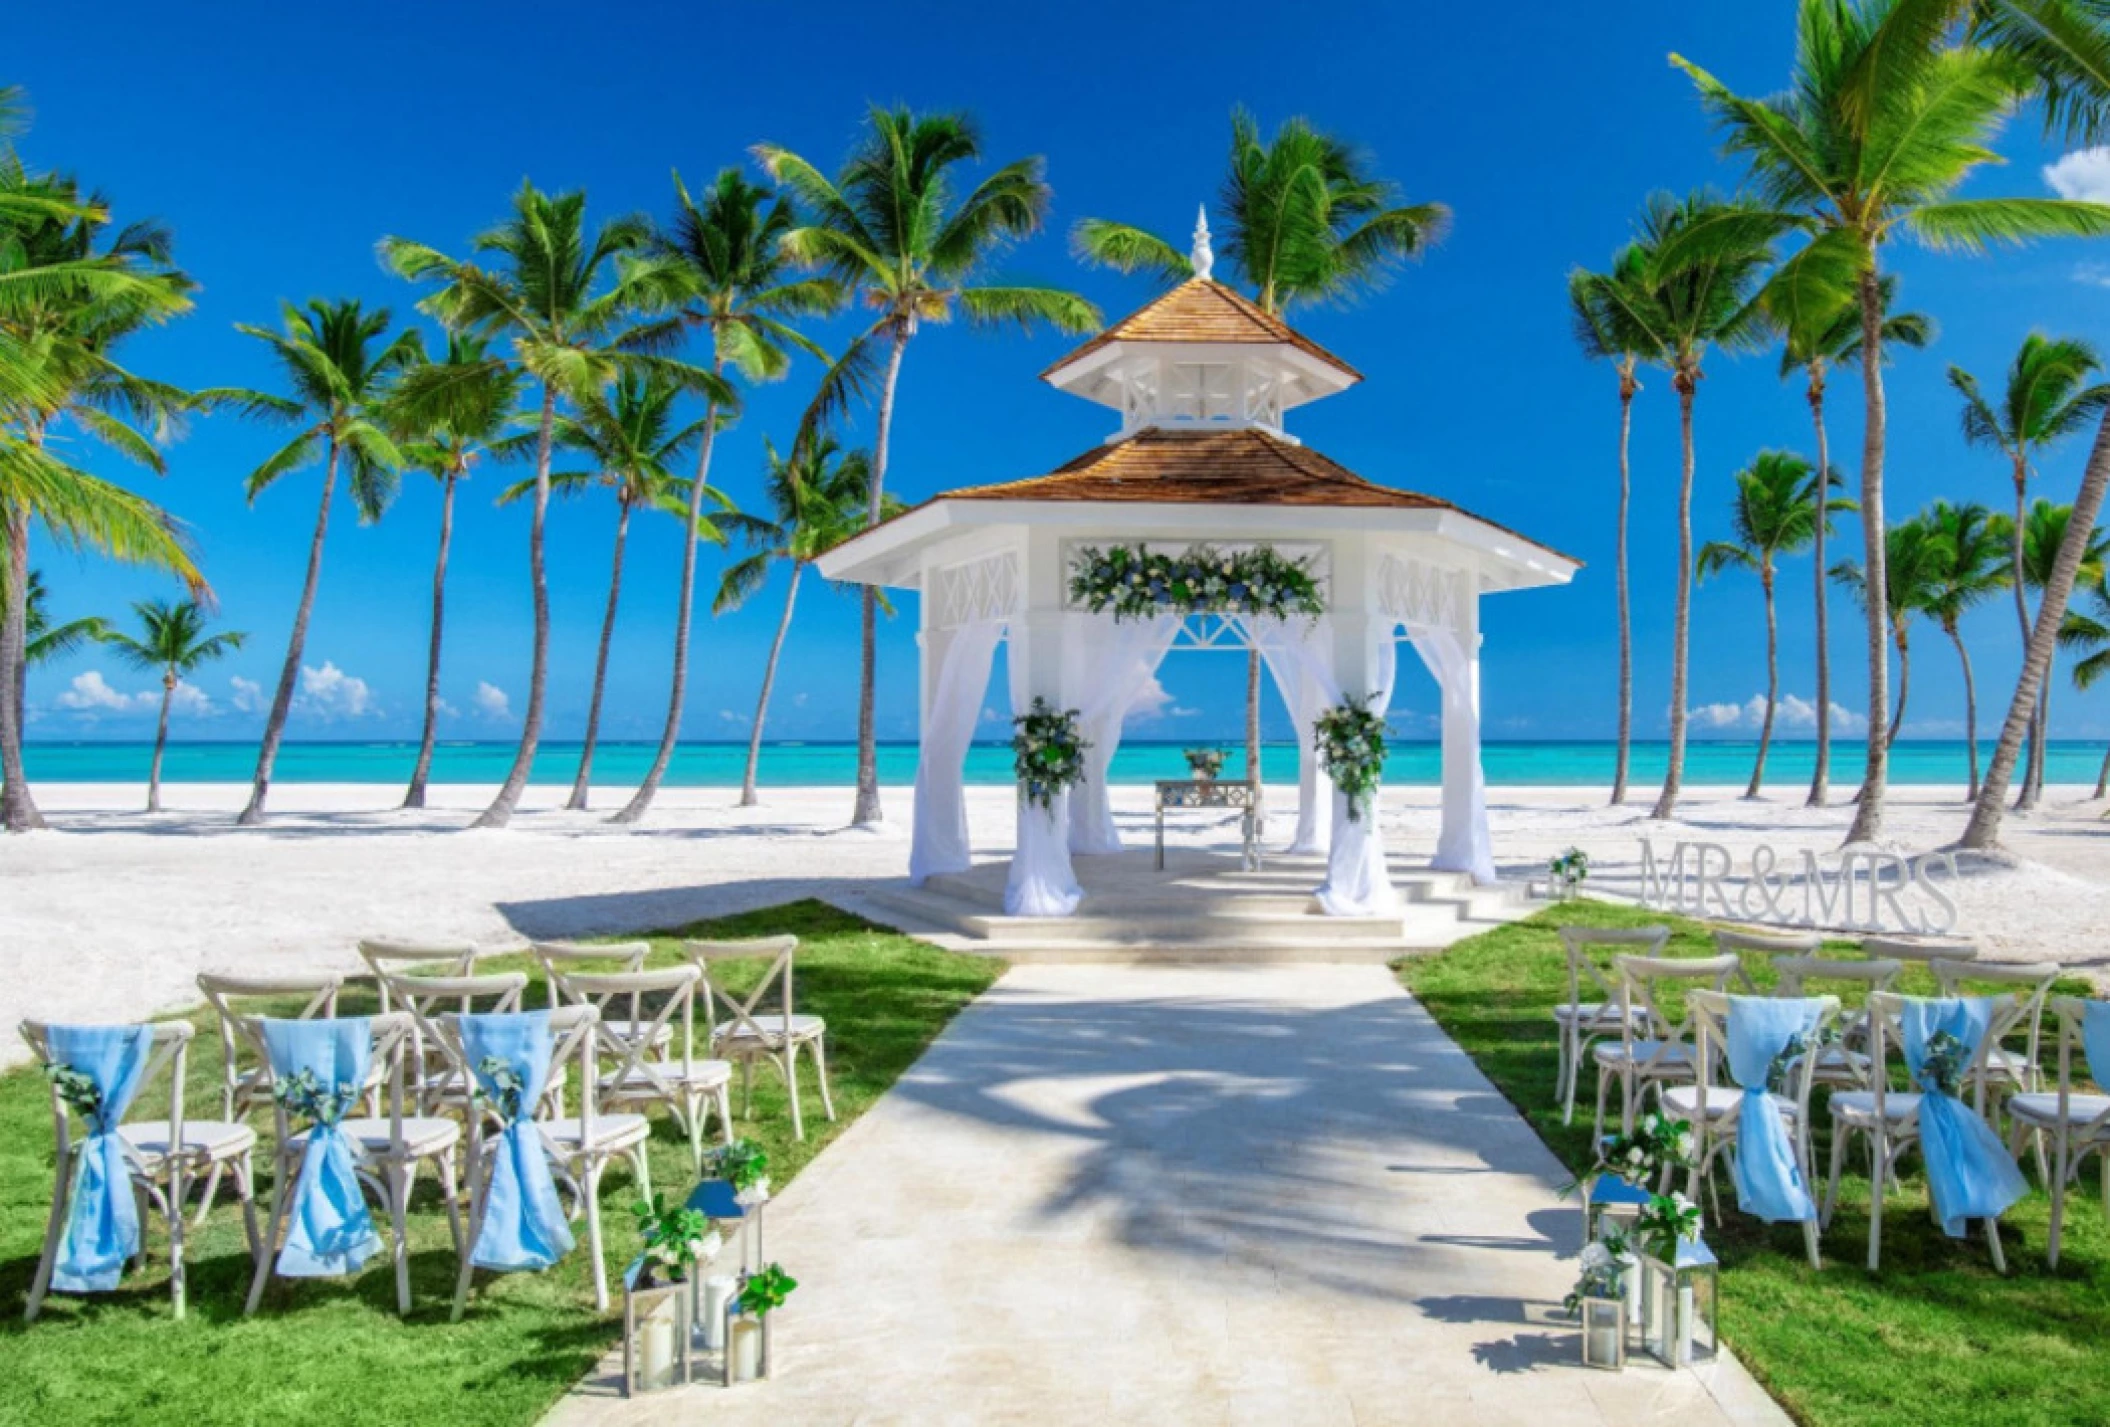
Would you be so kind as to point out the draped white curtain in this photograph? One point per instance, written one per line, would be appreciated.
(1463, 844)
(939, 841)
(1357, 882)
(1042, 882)
(1304, 694)
(1106, 665)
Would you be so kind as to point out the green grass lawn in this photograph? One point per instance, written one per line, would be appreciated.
(1936, 1338)
(330, 1350)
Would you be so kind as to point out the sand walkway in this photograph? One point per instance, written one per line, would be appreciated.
(1191, 1195)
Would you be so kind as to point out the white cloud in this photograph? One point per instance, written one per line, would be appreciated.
(491, 701)
(447, 710)
(191, 701)
(248, 694)
(731, 716)
(2083, 174)
(91, 694)
(2092, 274)
(329, 693)
(798, 701)
(1154, 702)
(990, 715)
(1794, 711)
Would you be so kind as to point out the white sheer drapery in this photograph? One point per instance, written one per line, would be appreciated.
(1357, 881)
(1463, 844)
(1304, 695)
(1041, 883)
(1106, 664)
(939, 840)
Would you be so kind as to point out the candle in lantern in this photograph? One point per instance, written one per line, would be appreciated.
(1683, 1346)
(746, 1350)
(717, 1292)
(658, 1351)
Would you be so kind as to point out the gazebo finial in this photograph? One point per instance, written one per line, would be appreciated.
(1202, 259)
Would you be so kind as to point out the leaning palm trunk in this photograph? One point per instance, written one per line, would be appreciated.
(2026, 799)
(683, 618)
(1681, 633)
(1970, 705)
(1897, 717)
(1984, 828)
(1821, 776)
(414, 797)
(161, 742)
(2102, 778)
(1868, 809)
(296, 645)
(17, 808)
(867, 809)
(501, 810)
(1627, 387)
(1765, 732)
(748, 796)
(579, 784)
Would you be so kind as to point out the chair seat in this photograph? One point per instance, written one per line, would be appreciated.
(1647, 1056)
(421, 1135)
(630, 1032)
(2007, 1064)
(670, 1074)
(1861, 1105)
(202, 1139)
(2043, 1108)
(611, 1133)
(803, 1028)
(1682, 1102)
(1596, 1014)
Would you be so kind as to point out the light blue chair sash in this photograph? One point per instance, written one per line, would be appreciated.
(2095, 1040)
(102, 1217)
(1969, 1172)
(1769, 1182)
(328, 1230)
(523, 1224)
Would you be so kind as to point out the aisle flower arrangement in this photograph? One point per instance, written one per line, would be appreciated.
(1047, 753)
(1351, 739)
(1205, 763)
(1134, 582)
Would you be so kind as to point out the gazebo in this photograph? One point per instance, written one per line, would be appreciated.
(1201, 463)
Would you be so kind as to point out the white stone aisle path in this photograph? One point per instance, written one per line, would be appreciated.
(1185, 1195)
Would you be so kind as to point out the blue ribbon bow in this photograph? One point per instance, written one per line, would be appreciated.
(1969, 1172)
(318, 1071)
(102, 1218)
(1769, 1182)
(523, 1224)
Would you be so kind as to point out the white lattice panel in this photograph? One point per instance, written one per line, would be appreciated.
(976, 591)
(1415, 593)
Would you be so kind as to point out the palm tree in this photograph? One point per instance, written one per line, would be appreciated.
(2045, 527)
(2088, 635)
(893, 229)
(1913, 566)
(175, 643)
(818, 498)
(2049, 397)
(545, 290)
(1818, 337)
(70, 295)
(629, 435)
(472, 401)
(1775, 514)
(1699, 297)
(1890, 111)
(1974, 564)
(723, 268)
(45, 641)
(1611, 322)
(337, 359)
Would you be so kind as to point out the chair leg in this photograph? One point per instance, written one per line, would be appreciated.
(281, 1183)
(399, 1179)
(1809, 1242)
(1603, 1085)
(1992, 1240)
(178, 1281)
(206, 1196)
(790, 1066)
(61, 1195)
(724, 1098)
(820, 1065)
(590, 1191)
(1840, 1135)
(451, 1191)
(477, 1191)
(245, 1192)
(1878, 1153)
(1571, 1068)
(641, 1165)
(692, 1121)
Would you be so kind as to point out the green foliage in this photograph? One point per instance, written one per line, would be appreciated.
(1666, 1221)
(1774, 514)
(742, 1164)
(1351, 746)
(1136, 582)
(77, 1090)
(175, 641)
(1204, 762)
(764, 1291)
(1047, 753)
(305, 1097)
(672, 1235)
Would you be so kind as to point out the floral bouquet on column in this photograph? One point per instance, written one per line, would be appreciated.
(1047, 753)
(1351, 743)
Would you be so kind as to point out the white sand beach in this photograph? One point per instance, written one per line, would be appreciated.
(111, 914)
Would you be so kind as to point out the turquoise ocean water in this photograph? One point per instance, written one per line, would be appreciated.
(708, 765)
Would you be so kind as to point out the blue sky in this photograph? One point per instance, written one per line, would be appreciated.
(281, 141)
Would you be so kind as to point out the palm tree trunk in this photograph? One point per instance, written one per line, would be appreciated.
(1821, 777)
(867, 809)
(1984, 828)
(288, 677)
(414, 797)
(1627, 387)
(2102, 779)
(1765, 731)
(1970, 706)
(670, 736)
(2026, 799)
(579, 784)
(18, 810)
(1252, 736)
(1868, 810)
(1897, 719)
(748, 797)
(501, 810)
(1681, 634)
(161, 741)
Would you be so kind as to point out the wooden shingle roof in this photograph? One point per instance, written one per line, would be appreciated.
(1204, 310)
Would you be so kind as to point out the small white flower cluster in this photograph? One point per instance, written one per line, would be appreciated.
(1351, 746)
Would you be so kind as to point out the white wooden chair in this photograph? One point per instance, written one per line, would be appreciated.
(1655, 1037)
(165, 1156)
(1925, 953)
(442, 1081)
(751, 1033)
(580, 1148)
(245, 1074)
(2076, 1120)
(686, 1084)
(387, 1152)
(1889, 1119)
(1770, 945)
(1713, 1103)
(1844, 1066)
(2011, 1067)
(1586, 1016)
(584, 956)
(388, 958)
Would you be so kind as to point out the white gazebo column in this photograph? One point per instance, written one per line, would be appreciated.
(1357, 881)
(1463, 844)
(1042, 882)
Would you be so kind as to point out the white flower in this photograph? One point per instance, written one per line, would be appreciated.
(1595, 1256)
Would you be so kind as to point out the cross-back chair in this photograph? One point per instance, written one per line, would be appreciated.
(2011, 1067)
(752, 1030)
(442, 1082)
(245, 1072)
(2076, 1120)
(1589, 1014)
(1655, 1046)
(683, 1082)
(1844, 1065)
(1923, 953)
(388, 958)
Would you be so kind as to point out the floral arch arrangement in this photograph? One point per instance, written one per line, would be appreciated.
(1134, 582)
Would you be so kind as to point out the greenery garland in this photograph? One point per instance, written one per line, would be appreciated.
(1351, 739)
(1138, 583)
(1047, 753)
